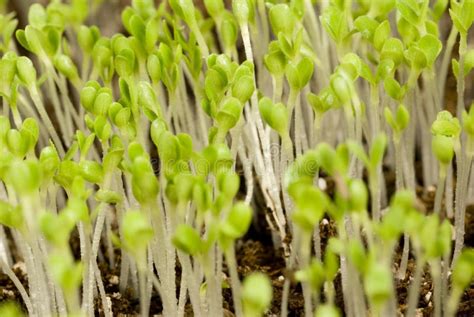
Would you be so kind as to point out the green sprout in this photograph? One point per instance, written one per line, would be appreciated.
(139, 146)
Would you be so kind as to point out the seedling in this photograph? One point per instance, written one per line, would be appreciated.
(163, 144)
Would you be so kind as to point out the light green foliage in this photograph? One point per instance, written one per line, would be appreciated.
(463, 272)
(310, 205)
(177, 117)
(468, 121)
(334, 162)
(313, 274)
(443, 148)
(65, 271)
(10, 309)
(326, 310)
(401, 119)
(237, 223)
(303, 170)
(243, 10)
(275, 115)
(299, 74)
(378, 284)
(25, 176)
(187, 240)
(399, 216)
(10, 216)
(462, 15)
(445, 130)
(468, 63)
(335, 23)
(375, 155)
(137, 232)
(256, 294)
(66, 66)
(282, 19)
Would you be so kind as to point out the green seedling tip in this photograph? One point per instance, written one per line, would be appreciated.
(257, 294)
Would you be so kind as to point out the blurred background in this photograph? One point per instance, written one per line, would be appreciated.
(107, 16)
(106, 12)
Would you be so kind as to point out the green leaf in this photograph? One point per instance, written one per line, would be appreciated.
(154, 68)
(327, 310)
(366, 26)
(282, 19)
(463, 271)
(10, 215)
(431, 46)
(392, 49)
(25, 176)
(393, 88)
(243, 88)
(137, 232)
(358, 195)
(378, 284)
(446, 125)
(87, 37)
(439, 9)
(298, 75)
(243, 11)
(229, 30)
(409, 10)
(311, 203)
(275, 115)
(276, 62)
(381, 34)
(26, 71)
(238, 222)
(342, 88)
(257, 294)
(187, 240)
(66, 66)
(377, 150)
(335, 23)
(358, 256)
(37, 16)
(92, 171)
(443, 148)
(145, 186)
(214, 7)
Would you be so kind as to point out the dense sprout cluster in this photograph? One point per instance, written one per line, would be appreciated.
(154, 142)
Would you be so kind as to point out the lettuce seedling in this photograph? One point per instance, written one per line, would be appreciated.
(257, 294)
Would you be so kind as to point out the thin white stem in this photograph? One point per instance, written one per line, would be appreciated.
(21, 289)
(234, 280)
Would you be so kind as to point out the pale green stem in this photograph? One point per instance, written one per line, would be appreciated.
(45, 118)
(437, 287)
(446, 61)
(200, 40)
(305, 253)
(144, 306)
(440, 188)
(286, 284)
(461, 77)
(464, 170)
(183, 289)
(277, 88)
(16, 116)
(21, 289)
(453, 301)
(234, 279)
(413, 292)
(449, 192)
(193, 282)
